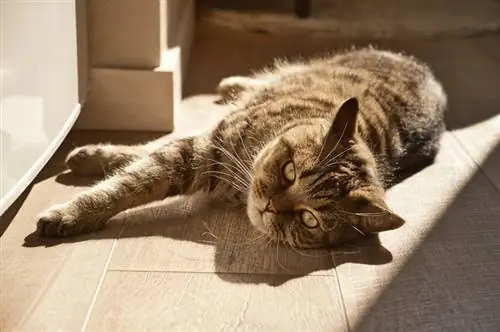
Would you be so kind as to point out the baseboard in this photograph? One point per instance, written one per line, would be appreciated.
(417, 20)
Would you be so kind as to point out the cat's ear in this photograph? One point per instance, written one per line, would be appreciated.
(344, 124)
(371, 211)
(343, 127)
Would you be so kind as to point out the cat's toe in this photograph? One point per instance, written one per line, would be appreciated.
(51, 223)
(57, 222)
(84, 161)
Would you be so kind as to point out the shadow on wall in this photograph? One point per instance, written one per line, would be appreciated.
(452, 280)
(469, 68)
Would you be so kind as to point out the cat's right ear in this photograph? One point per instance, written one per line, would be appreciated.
(343, 127)
(374, 216)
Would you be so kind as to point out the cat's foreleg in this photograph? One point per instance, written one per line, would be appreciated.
(168, 171)
(101, 159)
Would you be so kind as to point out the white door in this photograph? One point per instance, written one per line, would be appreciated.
(38, 88)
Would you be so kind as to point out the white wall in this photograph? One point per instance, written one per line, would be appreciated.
(38, 87)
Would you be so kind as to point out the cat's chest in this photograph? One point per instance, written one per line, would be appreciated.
(226, 191)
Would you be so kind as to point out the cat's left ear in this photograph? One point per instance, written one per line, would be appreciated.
(373, 214)
(344, 124)
(343, 127)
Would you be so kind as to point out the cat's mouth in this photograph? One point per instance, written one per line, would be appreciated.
(259, 214)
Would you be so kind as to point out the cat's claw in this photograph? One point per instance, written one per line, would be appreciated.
(58, 222)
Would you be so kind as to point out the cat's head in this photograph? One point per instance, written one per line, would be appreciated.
(316, 185)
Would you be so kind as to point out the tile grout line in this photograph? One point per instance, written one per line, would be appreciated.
(337, 277)
(101, 281)
(139, 270)
(474, 161)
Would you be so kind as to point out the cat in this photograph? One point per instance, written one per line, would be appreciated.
(309, 148)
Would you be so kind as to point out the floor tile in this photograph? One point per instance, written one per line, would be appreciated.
(47, 288)
(482, 143)
(445, 273)
(49, 285)
(145, 301)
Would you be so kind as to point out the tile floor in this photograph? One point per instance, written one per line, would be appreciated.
(187, 265)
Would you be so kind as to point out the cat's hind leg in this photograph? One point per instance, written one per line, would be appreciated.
(232, 87)
(101, 159)
(168, 171)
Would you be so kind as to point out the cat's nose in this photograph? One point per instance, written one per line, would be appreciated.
(282, 203)
(271, 207)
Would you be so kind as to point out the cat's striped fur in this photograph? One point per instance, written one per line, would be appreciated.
(310, 148)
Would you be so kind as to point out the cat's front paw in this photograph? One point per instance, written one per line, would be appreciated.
(85, 160)
(60, 221)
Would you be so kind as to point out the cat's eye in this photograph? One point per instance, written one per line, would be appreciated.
(308, 219)
(289, 171)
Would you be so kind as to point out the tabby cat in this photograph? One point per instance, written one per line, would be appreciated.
(309, 149)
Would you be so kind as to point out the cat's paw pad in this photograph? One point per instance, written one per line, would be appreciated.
(83, 160)
(59, 221)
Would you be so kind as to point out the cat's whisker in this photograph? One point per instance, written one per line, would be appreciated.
(269, 241)
(230, 172)
(254, 240)
(335, 147)
(209, 233)
(232, 175)
(241, 162)
(364, 214)
(257, 246)
(244, 146)
(278, 254)
(235, 186)
(227, 166)
(238, 179)
(238, 162)
(236, 182)
(297, 250)
(238, 165)
(212, 243)
(101, 163)
(320, 151)
(251, 241)
(358, 230)
(260, 237)
(330, 161)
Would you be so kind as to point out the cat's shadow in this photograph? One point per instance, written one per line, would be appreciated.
(222, 241)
